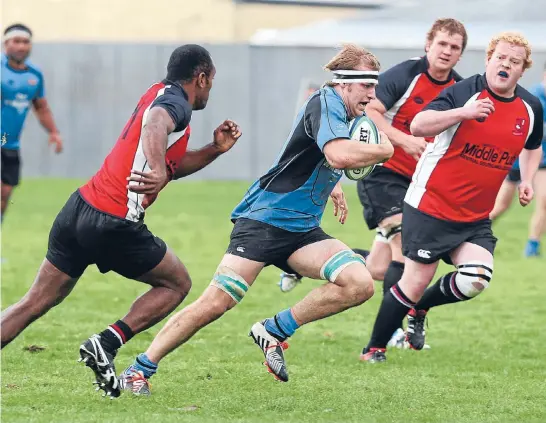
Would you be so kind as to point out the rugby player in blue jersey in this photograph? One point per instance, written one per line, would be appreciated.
(22, 87)
(278, 223)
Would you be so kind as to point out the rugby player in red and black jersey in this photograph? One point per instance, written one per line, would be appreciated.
(403, 91)
(481, 126)
(102, 222)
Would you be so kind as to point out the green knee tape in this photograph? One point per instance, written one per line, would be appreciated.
(231, 283)
(339, 261)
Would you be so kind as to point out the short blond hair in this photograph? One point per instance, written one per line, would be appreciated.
(350, 56)
(513, 38)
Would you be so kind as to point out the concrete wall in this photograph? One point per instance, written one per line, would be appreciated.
(93, 88)
(214, 21)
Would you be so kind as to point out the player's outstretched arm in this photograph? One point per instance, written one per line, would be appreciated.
(414, 146)
(225, 136)
(343, 153)
(430, 123)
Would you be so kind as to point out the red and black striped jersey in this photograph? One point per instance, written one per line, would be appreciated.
(107, 190)
(459, 175)
(404, 90)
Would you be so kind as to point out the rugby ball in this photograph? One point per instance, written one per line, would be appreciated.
(362, 130)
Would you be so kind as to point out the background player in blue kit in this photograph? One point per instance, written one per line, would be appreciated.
(537, 225)
(22, 86)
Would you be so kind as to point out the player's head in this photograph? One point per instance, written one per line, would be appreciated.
(17, 42)
(191, 66)
(446, 41)
(508, 56)
(356, 73)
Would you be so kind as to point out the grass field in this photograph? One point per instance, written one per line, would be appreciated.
(487, 362)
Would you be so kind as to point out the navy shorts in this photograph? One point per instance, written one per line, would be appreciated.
(382, 193)
(427, 239)
(258, 241)
(82, 235)
(11, 167)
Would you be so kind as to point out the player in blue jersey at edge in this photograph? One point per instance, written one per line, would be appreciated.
(537, 225)
(22, 86)
(278, 223)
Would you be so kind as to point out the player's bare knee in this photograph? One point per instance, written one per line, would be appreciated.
(218, 306)
(357, 285)
(359, 289)
(472, 279)
(183, 285)
(390, 227)
(363, 290)
(178, 280)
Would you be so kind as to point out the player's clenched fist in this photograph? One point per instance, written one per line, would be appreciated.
(226, 135)
(480, 109)
(526, 193)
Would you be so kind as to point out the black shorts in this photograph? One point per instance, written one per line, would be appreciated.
(82, 235)
(268, 244)
(382, 193)
(515, 176)
(11, 167)
(426, 239)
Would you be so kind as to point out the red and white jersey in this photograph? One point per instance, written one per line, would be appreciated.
(404, 90)
(459, 175)
(107, 190)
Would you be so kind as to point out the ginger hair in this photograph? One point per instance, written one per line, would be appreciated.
(513, 38)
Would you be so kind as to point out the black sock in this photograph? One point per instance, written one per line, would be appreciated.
(444, 291)
(363, 253)
(392, 275)
(115, 335)
(394, 307)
